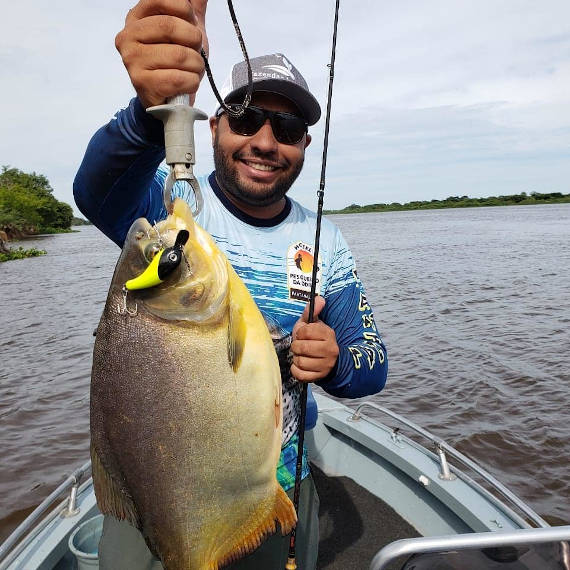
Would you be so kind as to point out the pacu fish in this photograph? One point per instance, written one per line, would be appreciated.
(186, 404)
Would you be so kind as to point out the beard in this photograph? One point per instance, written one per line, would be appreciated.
(228, 179)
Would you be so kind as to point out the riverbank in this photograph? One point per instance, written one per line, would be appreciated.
(522, 199)
(28, 208)
(8, 254)
(8, 234)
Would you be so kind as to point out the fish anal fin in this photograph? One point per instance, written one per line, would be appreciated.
(281, 511)
(111, 499)
(284, 511)
(237, 330)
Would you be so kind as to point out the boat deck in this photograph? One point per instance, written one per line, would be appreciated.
(354, 524)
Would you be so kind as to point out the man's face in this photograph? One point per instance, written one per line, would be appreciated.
(257, 170)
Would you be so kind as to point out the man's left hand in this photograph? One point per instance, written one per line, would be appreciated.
(314, 347)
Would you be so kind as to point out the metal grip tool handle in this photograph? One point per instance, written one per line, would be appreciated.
(178, 118)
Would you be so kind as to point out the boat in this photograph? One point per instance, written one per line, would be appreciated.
(388, 501)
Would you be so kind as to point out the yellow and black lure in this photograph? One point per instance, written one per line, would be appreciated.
(162, 265)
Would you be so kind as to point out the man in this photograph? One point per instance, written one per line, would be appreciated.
(268, 237)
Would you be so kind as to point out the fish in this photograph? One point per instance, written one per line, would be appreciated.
(186, 401)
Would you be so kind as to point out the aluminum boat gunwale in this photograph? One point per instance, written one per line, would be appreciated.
(391, 466)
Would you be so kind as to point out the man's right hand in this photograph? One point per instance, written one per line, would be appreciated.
(160, 47)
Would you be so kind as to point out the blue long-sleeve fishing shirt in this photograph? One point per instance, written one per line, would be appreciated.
(121, 179)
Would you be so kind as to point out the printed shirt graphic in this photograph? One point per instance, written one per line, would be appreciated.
(300, 262)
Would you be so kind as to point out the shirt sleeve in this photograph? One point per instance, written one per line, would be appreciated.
(116, 182)
(362, 365)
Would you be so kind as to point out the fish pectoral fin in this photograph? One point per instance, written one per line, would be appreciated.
(237, 330)
(111, 499)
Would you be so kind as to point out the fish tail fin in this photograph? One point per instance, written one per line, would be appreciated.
(111, 498)
(281, 511)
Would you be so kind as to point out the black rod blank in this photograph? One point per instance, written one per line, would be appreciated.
(291, 561)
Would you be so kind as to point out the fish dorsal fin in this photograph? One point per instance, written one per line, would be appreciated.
(237, 329)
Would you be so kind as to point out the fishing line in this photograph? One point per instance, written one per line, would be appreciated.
(291, 562)
(247, 99)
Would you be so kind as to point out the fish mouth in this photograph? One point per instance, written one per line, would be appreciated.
(194, 289)
(147, 244)
(180, 219)
(165, 231)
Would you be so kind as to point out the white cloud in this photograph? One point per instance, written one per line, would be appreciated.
(430, 99)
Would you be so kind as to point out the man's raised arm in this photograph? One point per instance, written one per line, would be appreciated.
(159, 46)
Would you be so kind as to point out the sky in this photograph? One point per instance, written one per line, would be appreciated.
(431, 99)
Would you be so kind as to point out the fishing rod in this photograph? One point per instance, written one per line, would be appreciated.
(291, 560)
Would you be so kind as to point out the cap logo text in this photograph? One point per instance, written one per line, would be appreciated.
(282, 70)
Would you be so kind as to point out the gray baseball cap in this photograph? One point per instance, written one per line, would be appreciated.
(276, 74)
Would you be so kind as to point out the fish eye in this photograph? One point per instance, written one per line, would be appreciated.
(151, 250)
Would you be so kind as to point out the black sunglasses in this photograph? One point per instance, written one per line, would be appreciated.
(287, 128)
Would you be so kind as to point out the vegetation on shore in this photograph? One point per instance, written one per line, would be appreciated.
(28, 207)
(459, 202)
(80, 222)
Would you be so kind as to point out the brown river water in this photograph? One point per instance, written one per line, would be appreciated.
(474, 306)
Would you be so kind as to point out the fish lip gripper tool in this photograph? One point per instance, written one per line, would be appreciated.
(178, 118)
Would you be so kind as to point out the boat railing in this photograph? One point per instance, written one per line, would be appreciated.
(474, 541)
(442, 447)
(68, 508)
(72, 485)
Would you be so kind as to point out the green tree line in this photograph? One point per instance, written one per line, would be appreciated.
(27, 204)
(460, 202)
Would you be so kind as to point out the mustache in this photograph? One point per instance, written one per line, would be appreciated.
(266, 157)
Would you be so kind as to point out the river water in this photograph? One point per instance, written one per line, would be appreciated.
(474, 306)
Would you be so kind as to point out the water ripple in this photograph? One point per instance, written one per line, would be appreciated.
(474, 308)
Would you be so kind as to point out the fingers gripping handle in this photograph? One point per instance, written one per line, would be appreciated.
(178, 118)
